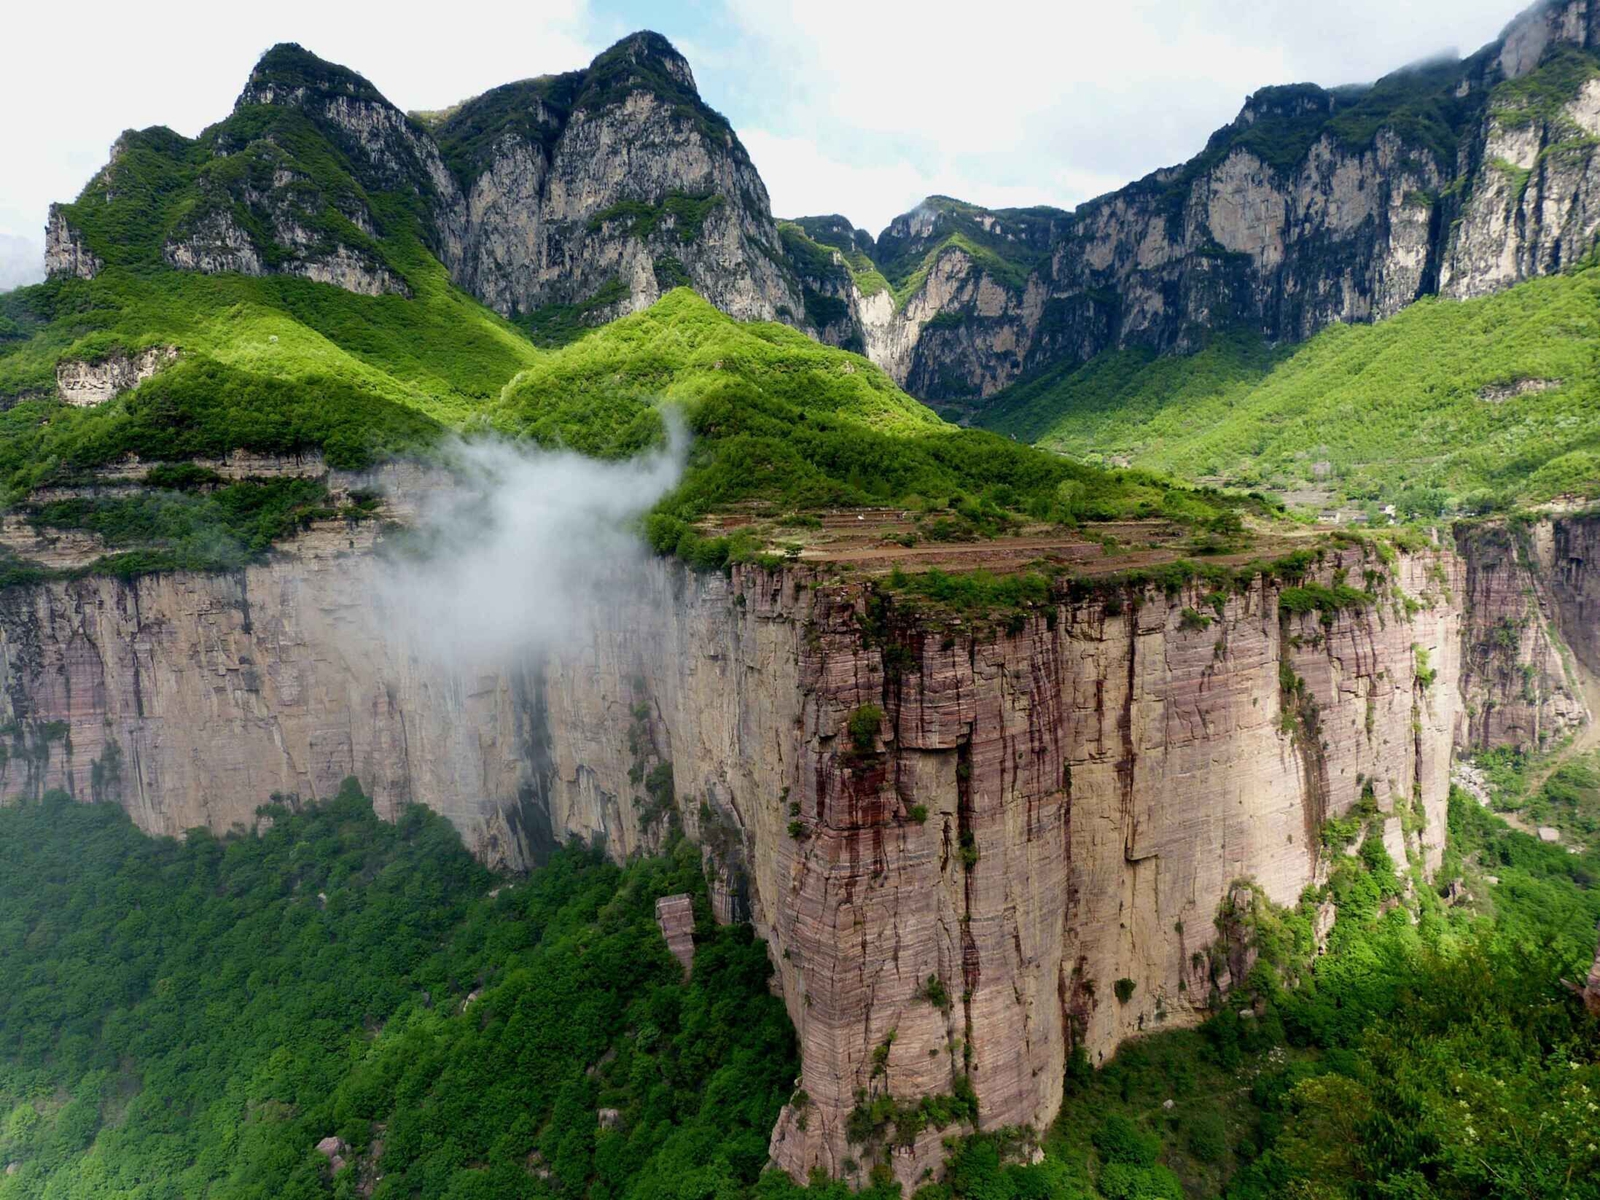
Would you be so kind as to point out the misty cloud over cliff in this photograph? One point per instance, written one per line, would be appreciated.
(514, 558)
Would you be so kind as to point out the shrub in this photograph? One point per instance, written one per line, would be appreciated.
(1208, 1137)
(1124, 989)
(863, 725)
(1120, 1141)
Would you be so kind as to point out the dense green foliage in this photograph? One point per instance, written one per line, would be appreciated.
(780, 418)
(810, 245)
(1432, 1053)
(1481, 403)
(185, 1019)
(183, 529)
(684, 214)
(195, 1017)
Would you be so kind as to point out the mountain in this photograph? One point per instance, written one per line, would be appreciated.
(1478, 405)
(1314, 206)
(564, 201)
(595, 191)
(605, 188)
(1015, 766)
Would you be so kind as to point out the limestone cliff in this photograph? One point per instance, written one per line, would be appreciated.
(605, 187)
(1519, 682)
(1024, 814)
(1313, 206)
(588, 194)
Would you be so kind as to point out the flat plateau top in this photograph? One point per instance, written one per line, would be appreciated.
(878, 540)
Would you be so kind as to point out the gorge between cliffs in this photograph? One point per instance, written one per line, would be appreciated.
(970, 844)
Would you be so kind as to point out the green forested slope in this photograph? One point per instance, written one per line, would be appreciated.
(1484, 402)
(780, 418)
(190, 1020)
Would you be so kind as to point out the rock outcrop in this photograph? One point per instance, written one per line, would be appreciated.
(955, 836)
(605, 187)
(1314, 206)
(88, 384)
(65, 255)
(675, 918)
(1591, 991)
(1518, 681)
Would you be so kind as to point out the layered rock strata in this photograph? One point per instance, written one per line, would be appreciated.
(1519, 680)
(955, 837)
(88, 384)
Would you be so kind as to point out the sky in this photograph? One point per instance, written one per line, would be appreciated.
(860, 107)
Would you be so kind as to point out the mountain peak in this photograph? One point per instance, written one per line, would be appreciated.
(288, 69)
(650, 53)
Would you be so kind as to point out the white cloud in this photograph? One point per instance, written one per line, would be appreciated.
(21, 261)
(181, 63)
(804, 181)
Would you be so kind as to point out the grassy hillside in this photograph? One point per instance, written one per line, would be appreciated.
(272, 364)
(782, 419)
(1478, 403)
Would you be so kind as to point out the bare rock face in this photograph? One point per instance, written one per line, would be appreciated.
(190, 700)
(988, 842)
(675, 918)
(1329, 216)
(1344, 235)
(1517, 687)
(88, 384)
(605, 187)
(1036, 814)
(64, 251)
(1574, 581)
(271, 213)
(1533, 205)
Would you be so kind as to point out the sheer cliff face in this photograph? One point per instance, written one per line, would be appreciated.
(1518, 681)
(1040, 811)
(1346, 235)
(1026, 814)
(601, 188)
(607, 187)
(191, 699)
(1037, 815)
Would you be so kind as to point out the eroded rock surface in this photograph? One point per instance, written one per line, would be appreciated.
(88, 384)
(1518, 683)
(675, 918)
(956, 837)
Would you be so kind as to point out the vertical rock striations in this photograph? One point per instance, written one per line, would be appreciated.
(605, 187)
(1518, 679)
(970, 846)
(1314, 206)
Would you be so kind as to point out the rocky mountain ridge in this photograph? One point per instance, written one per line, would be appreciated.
(592, 192)
(1314, 206)
(569, 199)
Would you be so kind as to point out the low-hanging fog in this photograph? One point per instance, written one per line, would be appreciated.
(516, 555)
